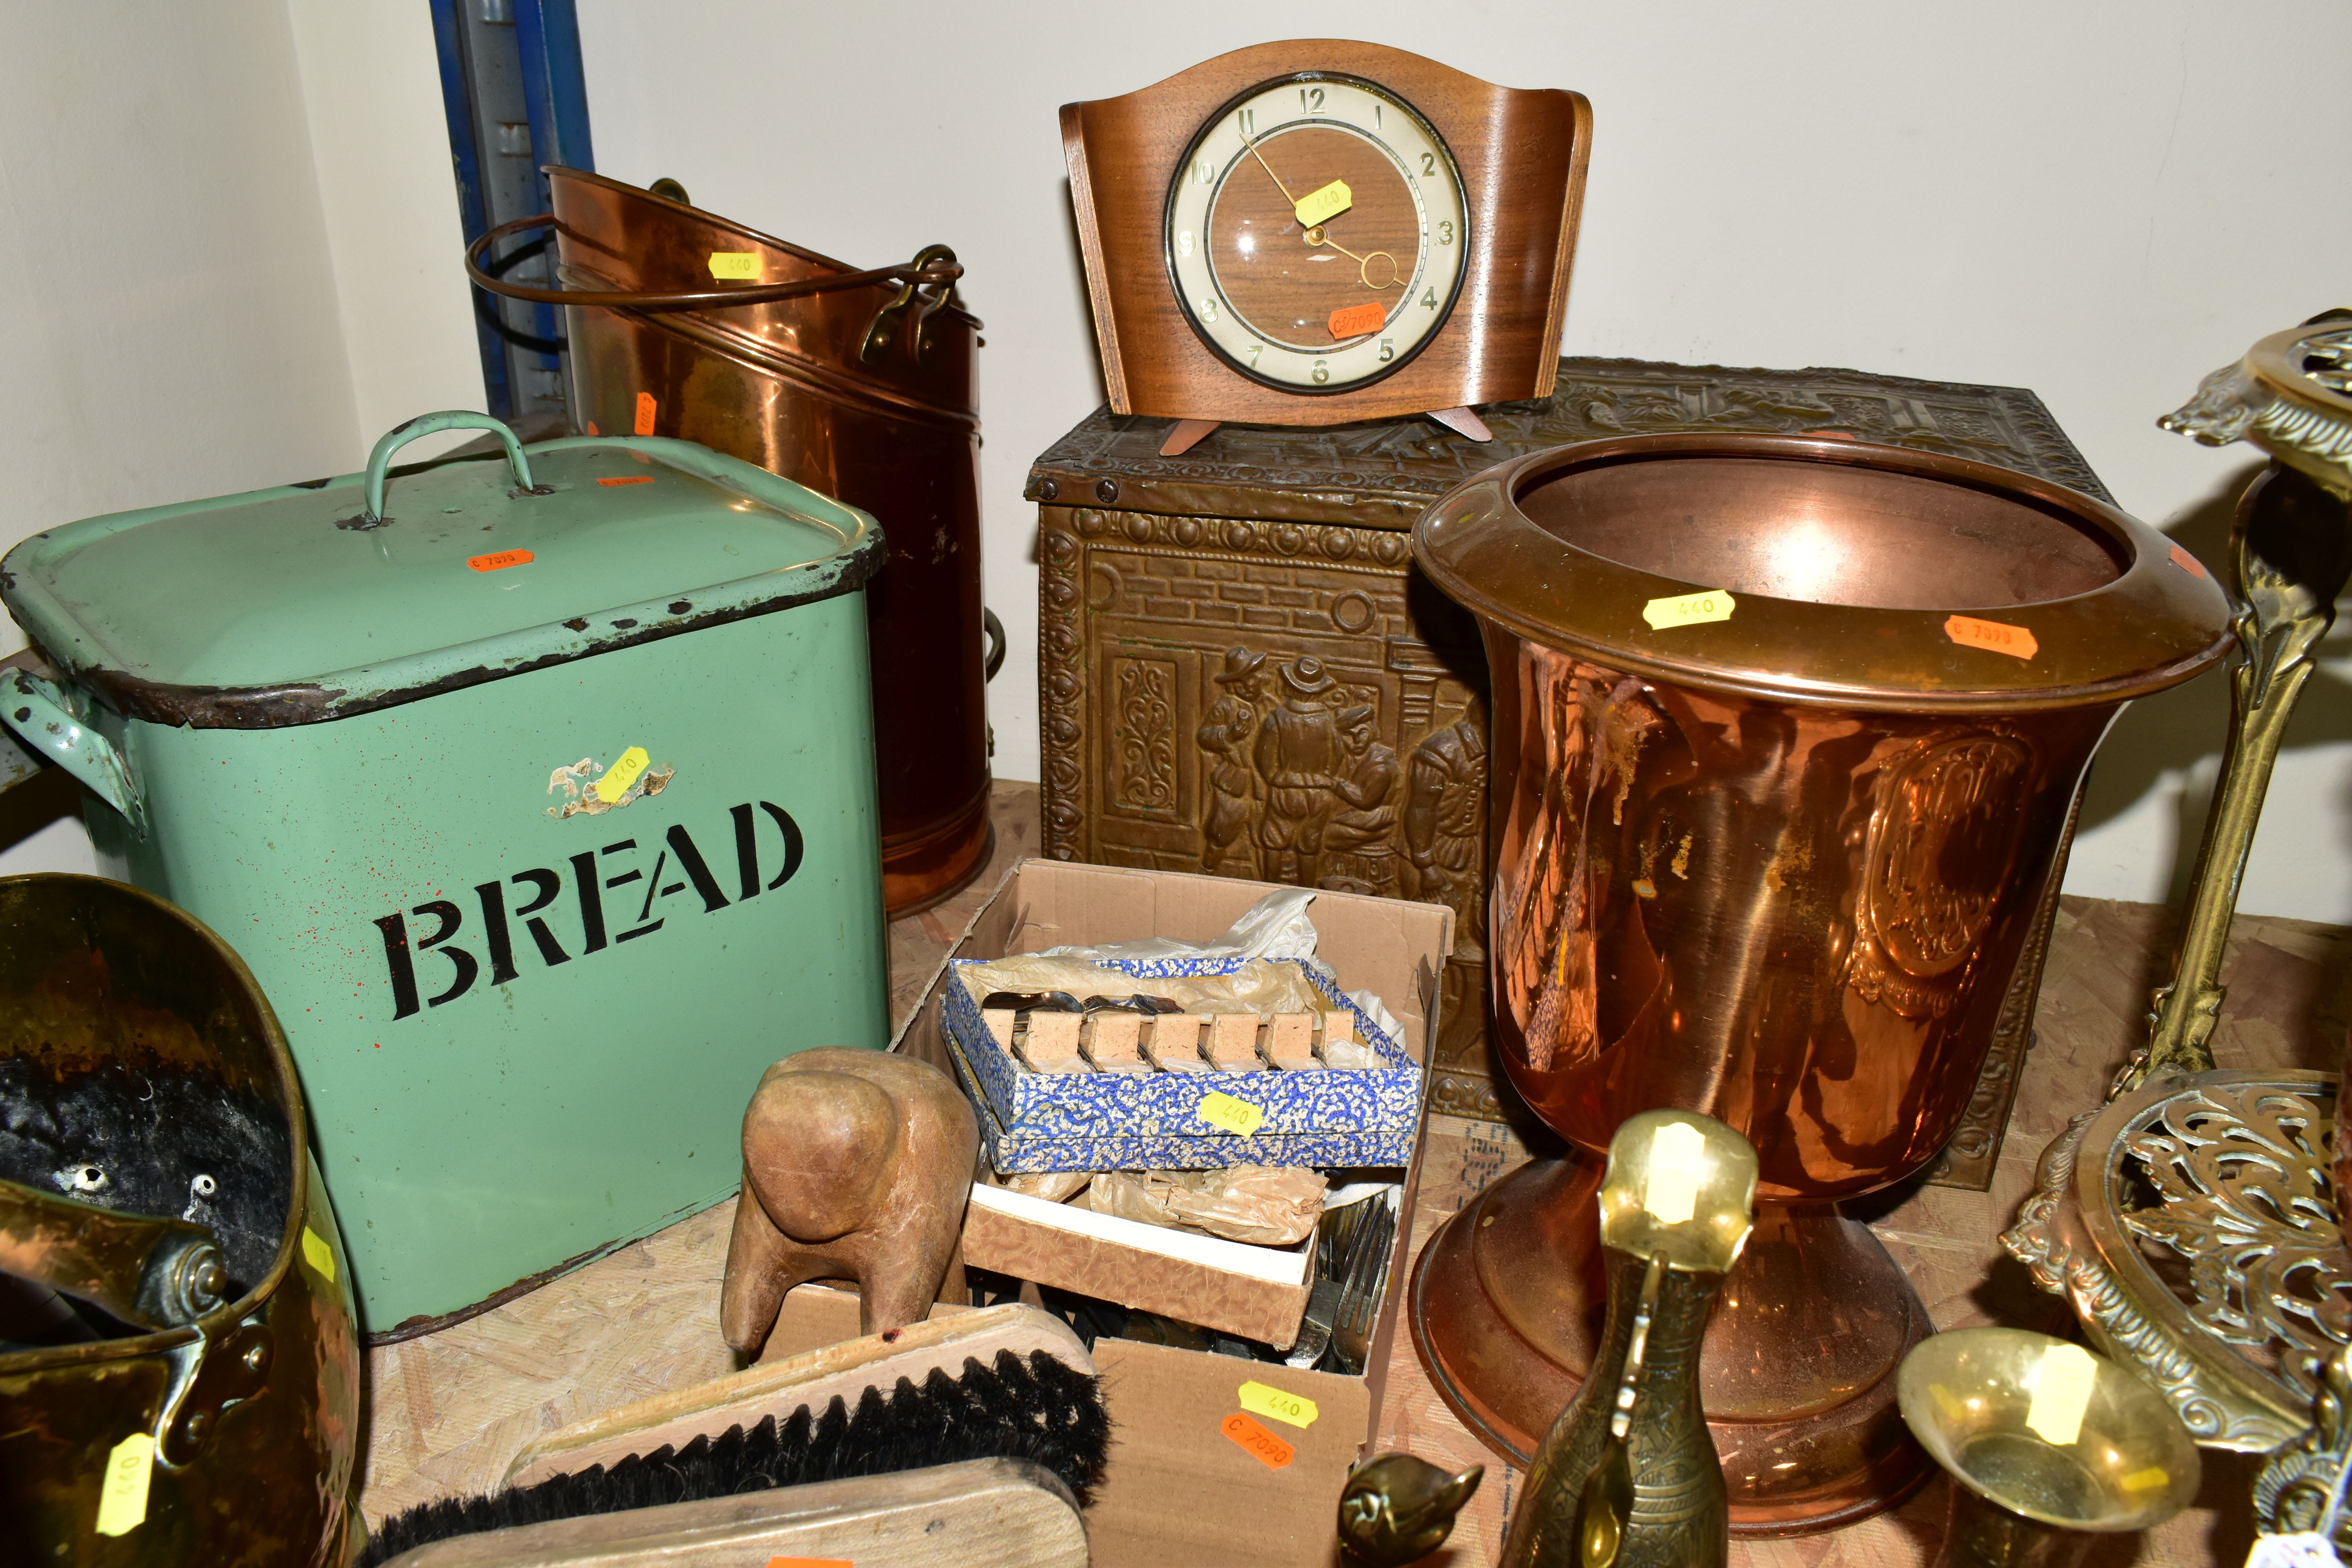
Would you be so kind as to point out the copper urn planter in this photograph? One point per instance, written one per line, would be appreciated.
(1787, 733)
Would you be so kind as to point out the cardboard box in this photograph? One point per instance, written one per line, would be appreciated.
(1326, 1117)
(1180, 1492)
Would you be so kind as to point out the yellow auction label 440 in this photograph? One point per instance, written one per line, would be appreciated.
(1689, 609)
(1234, 1114)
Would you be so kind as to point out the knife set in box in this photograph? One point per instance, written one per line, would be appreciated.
(1063, 1090)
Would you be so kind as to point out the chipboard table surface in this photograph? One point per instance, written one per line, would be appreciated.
(447, 1411)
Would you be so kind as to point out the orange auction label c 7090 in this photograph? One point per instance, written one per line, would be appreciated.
(1257, 1442)
(611, 479)
(644, 414)
(1357, 320)
(499, 560)
(1994, 636)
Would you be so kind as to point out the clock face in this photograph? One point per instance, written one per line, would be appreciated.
(1315, 233)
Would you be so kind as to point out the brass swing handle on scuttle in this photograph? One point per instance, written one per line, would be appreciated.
(925, 284)
(929, 279)
(150, 1272)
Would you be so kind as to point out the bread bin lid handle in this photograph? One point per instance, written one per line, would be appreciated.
(379, 462)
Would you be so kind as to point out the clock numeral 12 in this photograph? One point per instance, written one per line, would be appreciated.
(1310, 98)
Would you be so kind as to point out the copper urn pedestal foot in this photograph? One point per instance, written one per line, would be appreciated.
(1798, 1375)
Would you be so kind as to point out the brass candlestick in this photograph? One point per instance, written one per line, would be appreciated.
(2048, 1445)
(2233, 1354)
(1628, 1475)
(2291, 552)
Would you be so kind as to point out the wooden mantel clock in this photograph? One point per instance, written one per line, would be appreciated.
(1318, 231)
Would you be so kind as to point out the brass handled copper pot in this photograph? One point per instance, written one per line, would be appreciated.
(861, 386)
(1786, 735)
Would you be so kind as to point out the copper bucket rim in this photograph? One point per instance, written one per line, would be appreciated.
(216, 1324)
(726, 327)
(817, 264)
(704, 332)
(2155, 625)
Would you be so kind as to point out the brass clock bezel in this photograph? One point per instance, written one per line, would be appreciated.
(1200, 134)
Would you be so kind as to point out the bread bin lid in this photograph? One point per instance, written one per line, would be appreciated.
(309, 602)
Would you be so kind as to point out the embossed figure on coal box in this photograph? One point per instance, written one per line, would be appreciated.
(1233, 792)
(1298, 756)
(1445, 821)
(1359, 852)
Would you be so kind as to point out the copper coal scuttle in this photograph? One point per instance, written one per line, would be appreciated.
(862, 385)
(1787, 735)
(178, 1355)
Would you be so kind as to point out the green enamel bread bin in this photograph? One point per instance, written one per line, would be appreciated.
(537, 790)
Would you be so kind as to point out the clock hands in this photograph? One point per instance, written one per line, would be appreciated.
(1251, 142)
(1330, 202)
(1316, 236)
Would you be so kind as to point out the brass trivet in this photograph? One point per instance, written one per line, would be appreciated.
(2191, 1225)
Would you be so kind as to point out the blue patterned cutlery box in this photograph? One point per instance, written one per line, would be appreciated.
(1329, 1118)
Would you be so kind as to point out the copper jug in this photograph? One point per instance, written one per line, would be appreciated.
(1787, 732)
(861, 386)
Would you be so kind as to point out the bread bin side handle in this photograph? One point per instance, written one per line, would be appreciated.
(35, 710)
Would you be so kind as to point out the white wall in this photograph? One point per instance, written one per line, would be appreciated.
(379, 145)
(184, 285)
(169, 328)
(2101, 202)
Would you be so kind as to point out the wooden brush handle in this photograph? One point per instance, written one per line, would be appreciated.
(981, 1513)
(780, 1387)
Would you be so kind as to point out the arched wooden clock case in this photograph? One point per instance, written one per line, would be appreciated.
(1519, 157)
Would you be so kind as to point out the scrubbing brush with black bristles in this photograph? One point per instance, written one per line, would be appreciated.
(791, 1423)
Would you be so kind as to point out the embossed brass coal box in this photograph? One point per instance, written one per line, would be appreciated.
(1183, 601)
